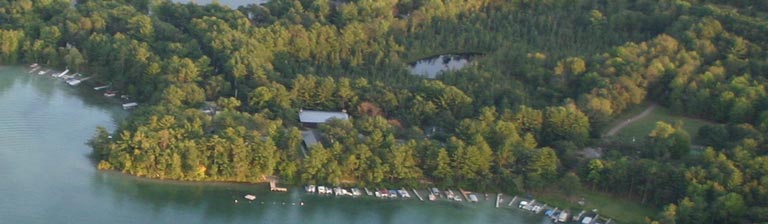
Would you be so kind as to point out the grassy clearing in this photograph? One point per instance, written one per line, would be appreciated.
(641, 127)
(621, 210)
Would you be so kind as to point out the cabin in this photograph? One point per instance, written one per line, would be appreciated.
(312, 118)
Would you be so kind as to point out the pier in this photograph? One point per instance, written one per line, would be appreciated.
(417, 194)
(512, 201)
(464, 193)
(273, 187)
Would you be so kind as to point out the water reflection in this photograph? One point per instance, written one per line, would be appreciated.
(431, 67)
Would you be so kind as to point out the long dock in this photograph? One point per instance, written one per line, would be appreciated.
(498, 199)
(417, 194)
(464, 193)
(273, 187)
(512, 201)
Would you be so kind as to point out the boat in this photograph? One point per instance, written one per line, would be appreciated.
(310, 188)
(586, 220)
(100, 87)
(403, 193)
(384, 193)
(522, 204)
(563, 217)
(449, 194)
(392, 193)
(250, 197)
(356, 192)
(130, 105)
(110, 93)
(33, 65)
(473, 198)
(42, 72)
(73, 81)
(435, 191)
(34, 69)
(432, 197)
(321, 189)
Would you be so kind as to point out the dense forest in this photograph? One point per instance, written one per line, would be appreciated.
(549, 78)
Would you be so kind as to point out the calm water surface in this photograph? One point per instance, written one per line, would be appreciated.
(46, 176)
(431, 67)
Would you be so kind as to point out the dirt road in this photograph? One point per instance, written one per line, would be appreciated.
(618, 127)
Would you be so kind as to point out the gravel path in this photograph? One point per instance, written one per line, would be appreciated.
(618, 127)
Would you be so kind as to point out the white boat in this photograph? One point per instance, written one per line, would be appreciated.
(586, 220)
(522, 204)
(563, 217)
(473, 198)
(435, 191)
(338, 191)
(356, 192)
(100, 87)
(432, 197)
(310, 188)
(449, 194)
(130, 105)
(34, 65)
(250, 197)
(403, 193)
(73, 81)
(42, 72)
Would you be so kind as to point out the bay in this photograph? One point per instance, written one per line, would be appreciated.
(46, 175)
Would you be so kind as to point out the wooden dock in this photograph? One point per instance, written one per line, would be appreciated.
(273, 187)
(417, 194)
(512, 201)
(464, 193)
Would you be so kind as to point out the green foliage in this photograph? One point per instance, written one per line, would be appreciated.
(500, 123)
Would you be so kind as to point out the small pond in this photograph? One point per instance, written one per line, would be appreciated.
(431, 67)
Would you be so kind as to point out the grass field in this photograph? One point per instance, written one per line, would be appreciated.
(621, 210)
(641, 127)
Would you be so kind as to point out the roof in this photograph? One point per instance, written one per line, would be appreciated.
(309, 138)
(312, 116)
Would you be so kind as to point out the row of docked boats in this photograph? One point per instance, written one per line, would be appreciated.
(355, 192)
(435, 193)
(72, 80)
(76, 78)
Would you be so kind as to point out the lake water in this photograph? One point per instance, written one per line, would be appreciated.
(47, 177)
(231, 3)
(431, 67)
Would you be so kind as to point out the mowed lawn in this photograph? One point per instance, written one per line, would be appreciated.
(643, 126)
